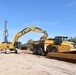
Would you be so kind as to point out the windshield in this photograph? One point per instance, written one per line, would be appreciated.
(65, 39)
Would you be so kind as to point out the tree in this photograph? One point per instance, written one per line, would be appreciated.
(73, 39)
(28, 44)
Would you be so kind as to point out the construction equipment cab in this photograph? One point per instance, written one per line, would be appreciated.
(15, 44)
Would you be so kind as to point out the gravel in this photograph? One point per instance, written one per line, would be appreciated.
(29, 64)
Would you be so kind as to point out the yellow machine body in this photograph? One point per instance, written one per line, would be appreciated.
(19, 34)
(65, 46)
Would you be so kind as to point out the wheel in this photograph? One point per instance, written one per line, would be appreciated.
(53, 49)
(35, 51)
(7, 51)
(18, 51)
(40, 52)
(46, 52)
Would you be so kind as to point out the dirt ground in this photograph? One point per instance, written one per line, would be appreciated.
(29, 64)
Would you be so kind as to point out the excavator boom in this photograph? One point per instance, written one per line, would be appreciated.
(26, 30)
(15, 45)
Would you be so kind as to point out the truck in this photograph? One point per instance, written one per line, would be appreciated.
(57, 46)
(15, 45)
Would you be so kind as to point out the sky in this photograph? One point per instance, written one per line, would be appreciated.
(57, 17)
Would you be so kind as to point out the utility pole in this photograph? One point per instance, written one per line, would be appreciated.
(5, 31)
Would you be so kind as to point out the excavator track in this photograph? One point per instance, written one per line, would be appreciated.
(62, 55)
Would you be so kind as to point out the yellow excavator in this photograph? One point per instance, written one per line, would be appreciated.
(14, 45)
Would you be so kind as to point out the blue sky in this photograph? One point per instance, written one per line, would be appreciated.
(57, 17)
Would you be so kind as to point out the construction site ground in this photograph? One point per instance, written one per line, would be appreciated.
(28, 64)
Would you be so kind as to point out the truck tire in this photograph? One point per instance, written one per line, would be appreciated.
(35, 51)
(40, 51)
(53, 49)
(7, 51)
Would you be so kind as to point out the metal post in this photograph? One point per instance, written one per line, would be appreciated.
(5, 31)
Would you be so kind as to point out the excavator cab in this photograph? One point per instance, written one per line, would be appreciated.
(17, 45)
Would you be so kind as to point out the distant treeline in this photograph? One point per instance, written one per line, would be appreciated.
(73, 39)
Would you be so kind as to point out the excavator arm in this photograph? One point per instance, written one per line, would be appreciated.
(26, 30)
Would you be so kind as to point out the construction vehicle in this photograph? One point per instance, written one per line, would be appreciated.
(15, 45)
(57, 47)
